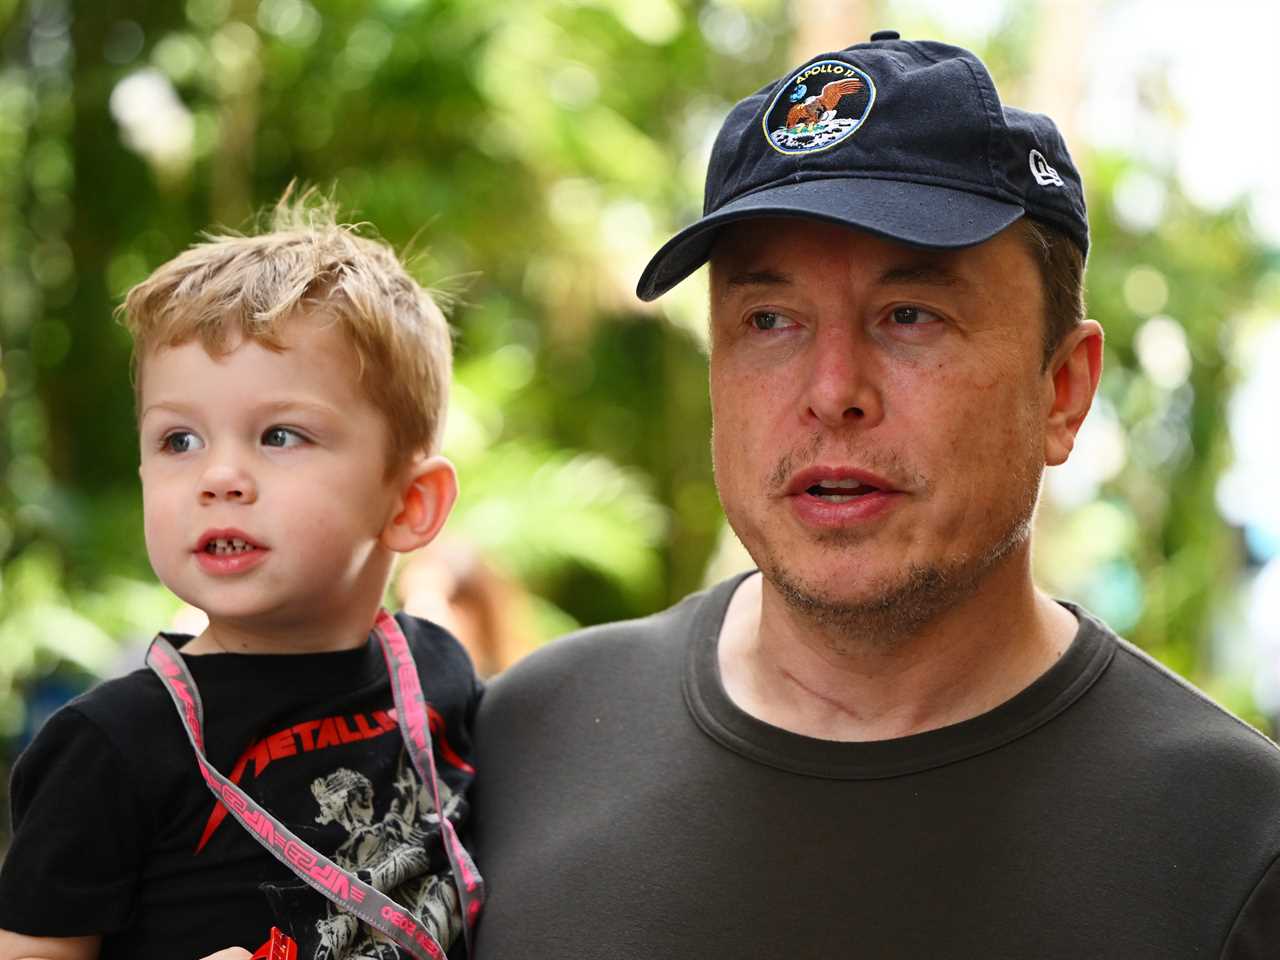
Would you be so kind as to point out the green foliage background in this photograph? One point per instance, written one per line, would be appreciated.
(537, 152)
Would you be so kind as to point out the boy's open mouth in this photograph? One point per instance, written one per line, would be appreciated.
(226, 543)
(228, 552)
(223, 547)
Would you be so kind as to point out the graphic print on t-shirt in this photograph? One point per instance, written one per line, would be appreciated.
(386, 832)
(322, 734)
(391, 855)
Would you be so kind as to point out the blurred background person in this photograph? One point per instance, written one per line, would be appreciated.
(488, 610)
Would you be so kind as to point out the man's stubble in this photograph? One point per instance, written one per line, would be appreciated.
(894, 608)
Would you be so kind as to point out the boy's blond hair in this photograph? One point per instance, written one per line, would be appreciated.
(233, 285)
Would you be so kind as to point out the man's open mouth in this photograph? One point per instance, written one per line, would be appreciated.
(840, 491)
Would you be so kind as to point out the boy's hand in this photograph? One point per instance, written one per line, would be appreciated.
(231, 953)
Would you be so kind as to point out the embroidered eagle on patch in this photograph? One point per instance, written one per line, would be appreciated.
(823, 106)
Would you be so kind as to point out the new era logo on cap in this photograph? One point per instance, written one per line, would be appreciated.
(905, 140)
(1045, 175)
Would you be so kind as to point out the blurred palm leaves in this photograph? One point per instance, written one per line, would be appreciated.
(45, 623)
(536, 508)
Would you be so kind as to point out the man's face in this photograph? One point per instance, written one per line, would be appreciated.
(879, 411)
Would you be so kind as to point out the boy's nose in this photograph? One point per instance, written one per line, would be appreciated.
(226, 482)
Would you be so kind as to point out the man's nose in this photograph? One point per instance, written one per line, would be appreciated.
(226, 480)
(844, 387)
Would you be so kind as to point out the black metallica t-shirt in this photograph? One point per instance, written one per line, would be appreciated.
(115, 832)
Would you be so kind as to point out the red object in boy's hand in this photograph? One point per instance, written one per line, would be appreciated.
(280, 947)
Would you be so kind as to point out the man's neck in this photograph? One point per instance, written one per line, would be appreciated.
(781, 668)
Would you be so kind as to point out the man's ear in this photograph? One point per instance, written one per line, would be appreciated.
(429, 486)
(1072, 380)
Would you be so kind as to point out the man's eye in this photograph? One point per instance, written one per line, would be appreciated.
(180, 441)
(282, 437)
(913, 316)
(769, 320)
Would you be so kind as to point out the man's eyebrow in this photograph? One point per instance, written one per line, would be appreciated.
(759, 278)
(928, 274)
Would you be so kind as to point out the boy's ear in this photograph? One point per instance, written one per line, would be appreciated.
(1072, 381)
(429, 488)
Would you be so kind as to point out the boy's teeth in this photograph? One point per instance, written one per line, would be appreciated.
(222, 546)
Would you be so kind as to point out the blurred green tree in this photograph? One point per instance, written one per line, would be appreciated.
(528, 151)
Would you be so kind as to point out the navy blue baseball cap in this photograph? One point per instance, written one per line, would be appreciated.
(904, 139)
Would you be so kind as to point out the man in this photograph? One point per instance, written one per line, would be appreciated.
(886, 742)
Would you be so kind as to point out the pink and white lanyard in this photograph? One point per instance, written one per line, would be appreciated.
(343, 888)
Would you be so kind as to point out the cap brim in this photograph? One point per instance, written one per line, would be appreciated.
(918, 214)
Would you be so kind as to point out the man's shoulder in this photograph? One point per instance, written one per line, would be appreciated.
(640, 638)
(623, 652)
(1202, 715)
(1183, 731)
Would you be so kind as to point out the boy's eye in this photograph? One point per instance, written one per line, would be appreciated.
(282, 437)
(770, 320)
(913, 316)
(180, 441)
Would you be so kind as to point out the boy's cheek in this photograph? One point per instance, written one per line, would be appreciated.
(159, 522)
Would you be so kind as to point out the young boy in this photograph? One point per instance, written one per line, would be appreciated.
(291, 389)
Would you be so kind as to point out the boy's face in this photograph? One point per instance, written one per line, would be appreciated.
(263, 480)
